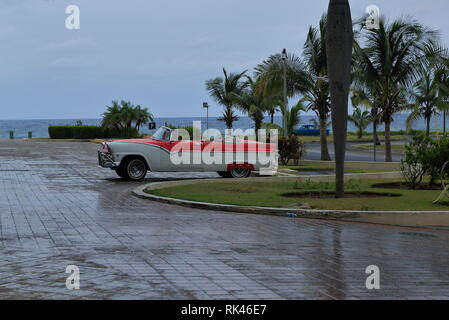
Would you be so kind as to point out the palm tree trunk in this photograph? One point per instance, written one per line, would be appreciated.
(339, 57)
(388, 157)
(428, 126)
(375, 124)
(257, 126)
(272, 116)
(228, 117)
(323, 139)
(376, 140)
(444, 122)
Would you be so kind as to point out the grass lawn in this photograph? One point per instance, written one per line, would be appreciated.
(351, 167)
(272, 194)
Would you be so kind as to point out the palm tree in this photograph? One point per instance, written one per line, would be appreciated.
(361, 120)
(442, 78)
(316, 92)
(228, 116)
(389, 63)
(293, 117)
(339, 40)
(316, 123)
(123, 115)
(254, 104)
(270, 76)
(112, 116)
(366, 97)
(143, 116)
(427, 100)
(224, 91)
(306, 77)
(270, 79)
(271, 110)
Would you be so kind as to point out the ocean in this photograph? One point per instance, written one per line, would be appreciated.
(39, 128)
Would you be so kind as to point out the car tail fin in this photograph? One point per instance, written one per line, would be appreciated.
(105, 147)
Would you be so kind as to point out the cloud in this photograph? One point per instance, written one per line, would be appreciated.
(70, 44)
(7, 31)
(143, 49)
(70, 62)
(201, 41)
(18, 2)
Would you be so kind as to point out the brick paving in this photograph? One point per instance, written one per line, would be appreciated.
(58, 208)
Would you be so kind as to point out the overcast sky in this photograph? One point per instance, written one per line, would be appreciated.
(156, 53)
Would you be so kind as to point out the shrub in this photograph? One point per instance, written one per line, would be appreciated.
(424, 156)
(88, 132)
(75, 132)
(415, 164)
(412, 173)
(290, 149)
(415, 133)
(437, 155)
(61, 132)
(114, 133)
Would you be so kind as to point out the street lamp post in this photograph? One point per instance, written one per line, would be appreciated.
(284, 67)
(206, 106)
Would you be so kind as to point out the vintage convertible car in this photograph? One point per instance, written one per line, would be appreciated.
(230, 157)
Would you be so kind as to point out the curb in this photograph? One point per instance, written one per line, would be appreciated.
(425, 218)
(323, 214)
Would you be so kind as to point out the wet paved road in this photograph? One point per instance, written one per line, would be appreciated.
(57, 208)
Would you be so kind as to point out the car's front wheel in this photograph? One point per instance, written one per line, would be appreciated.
(239, 173)
(134, 169)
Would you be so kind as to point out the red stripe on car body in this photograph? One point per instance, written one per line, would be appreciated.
(247, 146)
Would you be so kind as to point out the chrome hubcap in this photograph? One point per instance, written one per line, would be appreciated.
(239, 172)
(136, 169)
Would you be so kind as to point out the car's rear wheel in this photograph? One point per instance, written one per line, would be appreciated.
(134, 169)
(224, 174)
(239, 173)
(120, 172)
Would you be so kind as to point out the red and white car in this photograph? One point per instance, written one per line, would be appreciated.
(230, 158)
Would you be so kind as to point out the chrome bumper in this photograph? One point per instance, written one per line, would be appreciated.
(106, 160)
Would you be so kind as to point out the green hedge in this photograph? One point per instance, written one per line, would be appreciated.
(61, 132)
(89, 132)
(115, 133)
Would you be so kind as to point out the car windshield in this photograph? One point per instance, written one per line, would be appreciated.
(162, 134)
